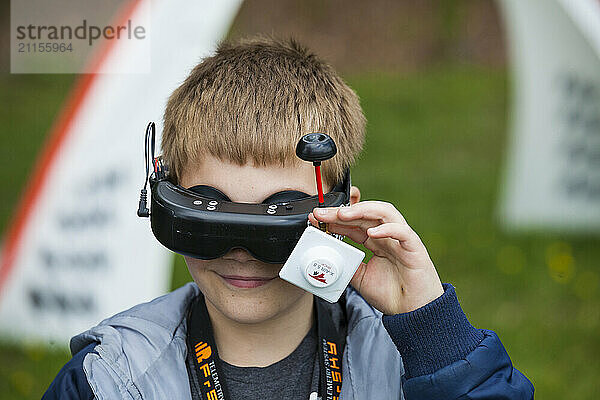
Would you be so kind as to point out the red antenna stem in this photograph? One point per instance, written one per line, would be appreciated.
(319, 184)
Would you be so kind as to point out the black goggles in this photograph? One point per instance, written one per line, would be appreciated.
(202, 222)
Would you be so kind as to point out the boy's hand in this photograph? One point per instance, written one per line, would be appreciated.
(400, 277)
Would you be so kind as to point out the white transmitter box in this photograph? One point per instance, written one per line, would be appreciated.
(321, 264)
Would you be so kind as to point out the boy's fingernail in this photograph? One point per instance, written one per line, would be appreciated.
(321, 211)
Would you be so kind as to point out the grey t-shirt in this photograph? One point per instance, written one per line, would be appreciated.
(293, 378)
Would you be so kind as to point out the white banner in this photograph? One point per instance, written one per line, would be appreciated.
(77, 252)
(553, 176)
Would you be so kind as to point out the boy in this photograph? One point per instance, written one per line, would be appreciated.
(233, 125)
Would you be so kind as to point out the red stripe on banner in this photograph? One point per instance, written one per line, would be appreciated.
(58, 134)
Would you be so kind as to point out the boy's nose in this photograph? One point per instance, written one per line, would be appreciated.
(239, 255)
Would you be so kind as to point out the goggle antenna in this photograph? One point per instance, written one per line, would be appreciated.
(317, 147)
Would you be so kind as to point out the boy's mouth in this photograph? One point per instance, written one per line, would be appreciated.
(245, 282)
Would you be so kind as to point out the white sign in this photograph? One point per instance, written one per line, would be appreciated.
(553, 177)
(77, 252)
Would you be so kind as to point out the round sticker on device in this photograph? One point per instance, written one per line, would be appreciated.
(321, 273)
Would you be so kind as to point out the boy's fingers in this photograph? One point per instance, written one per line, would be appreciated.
(360, 224)
(355, 233)
(363, 224)
(386, 246)
(313, 220)
(408, 239)
(368, 210)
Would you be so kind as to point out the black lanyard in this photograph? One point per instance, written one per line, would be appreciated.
(206, 378)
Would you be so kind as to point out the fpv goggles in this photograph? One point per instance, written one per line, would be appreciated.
(202, 222)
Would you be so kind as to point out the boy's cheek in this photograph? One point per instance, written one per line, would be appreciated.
(195, 263)
(197, 267)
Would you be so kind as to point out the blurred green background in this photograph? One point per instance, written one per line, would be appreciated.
(436, 96)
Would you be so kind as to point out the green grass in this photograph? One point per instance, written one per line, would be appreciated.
(435, 149)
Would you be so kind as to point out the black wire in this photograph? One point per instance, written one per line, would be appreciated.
(148, 151)
(149, 147)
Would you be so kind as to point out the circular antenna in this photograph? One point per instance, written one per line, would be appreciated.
(316, 147)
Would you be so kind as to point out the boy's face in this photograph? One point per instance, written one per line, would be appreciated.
(239, 286)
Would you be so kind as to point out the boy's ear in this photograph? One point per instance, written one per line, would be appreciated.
(354, 195)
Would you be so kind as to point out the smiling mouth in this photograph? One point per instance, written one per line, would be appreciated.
(245, 282)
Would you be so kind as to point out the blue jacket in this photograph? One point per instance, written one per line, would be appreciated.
(430, 353)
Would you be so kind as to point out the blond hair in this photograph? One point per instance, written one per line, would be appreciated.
(253, 100)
